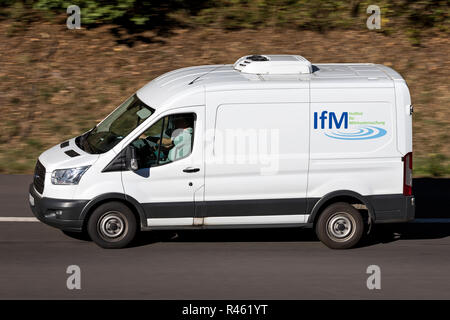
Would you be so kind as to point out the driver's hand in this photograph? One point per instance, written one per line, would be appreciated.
(165, 142)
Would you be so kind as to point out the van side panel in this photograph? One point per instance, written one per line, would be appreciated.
(354, 141)
(259, 151)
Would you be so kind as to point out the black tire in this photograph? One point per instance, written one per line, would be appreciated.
(112, 225)
(340, 226)
(83, 235)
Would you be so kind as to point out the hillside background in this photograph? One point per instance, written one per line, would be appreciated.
(56, 83)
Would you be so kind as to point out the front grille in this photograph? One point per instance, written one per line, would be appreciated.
(39, 177)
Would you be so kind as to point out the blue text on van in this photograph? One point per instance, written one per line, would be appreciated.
(320, 121)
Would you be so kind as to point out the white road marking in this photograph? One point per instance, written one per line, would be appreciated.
(18, 219)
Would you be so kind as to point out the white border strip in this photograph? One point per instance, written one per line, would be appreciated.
(274, 219)
(18, 219)
(231, 220)
(159, 222)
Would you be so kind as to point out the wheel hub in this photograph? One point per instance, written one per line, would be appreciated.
(112, 226)
(340, 226)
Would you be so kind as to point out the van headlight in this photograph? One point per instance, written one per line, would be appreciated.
(68, 176)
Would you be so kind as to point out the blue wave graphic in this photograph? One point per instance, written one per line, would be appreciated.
(363, 133)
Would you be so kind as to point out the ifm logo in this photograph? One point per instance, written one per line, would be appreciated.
(331, 118)
(336, 127)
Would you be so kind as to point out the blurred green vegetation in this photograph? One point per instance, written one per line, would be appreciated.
(414, 16)
(436, 165)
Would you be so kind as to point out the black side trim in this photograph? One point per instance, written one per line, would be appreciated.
(64, 144)
(169, 209)
(259, 207)
(72, 153)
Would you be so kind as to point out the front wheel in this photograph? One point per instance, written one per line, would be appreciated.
(340, 226)
(112, 225)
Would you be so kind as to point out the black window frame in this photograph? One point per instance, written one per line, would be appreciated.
(119, 161)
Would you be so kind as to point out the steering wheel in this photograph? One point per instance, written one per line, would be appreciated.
(153, 145)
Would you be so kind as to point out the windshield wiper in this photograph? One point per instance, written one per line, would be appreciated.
(90, 131)
(85, 141)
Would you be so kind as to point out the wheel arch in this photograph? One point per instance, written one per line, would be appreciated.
(130, 202)
(348, 196)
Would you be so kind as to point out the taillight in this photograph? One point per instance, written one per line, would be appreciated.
(407, 174)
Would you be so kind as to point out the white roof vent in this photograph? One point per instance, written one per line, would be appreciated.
(273, 64)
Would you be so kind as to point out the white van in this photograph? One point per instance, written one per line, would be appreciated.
(271, 141)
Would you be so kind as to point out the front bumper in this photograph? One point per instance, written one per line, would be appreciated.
(59, 213)
(393, 208)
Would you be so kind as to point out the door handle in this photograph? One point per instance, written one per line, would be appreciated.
(191, 170)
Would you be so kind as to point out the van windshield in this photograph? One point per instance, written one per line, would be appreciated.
(104, 136)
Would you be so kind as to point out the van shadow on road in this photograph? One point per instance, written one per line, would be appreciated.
(431, 203)
(380, 234)
(432, 196)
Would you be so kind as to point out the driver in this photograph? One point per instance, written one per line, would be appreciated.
(180, 140)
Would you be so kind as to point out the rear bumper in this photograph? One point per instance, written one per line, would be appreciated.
(393, 208)
(59, 213)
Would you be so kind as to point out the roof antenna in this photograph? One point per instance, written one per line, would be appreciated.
(205, 74)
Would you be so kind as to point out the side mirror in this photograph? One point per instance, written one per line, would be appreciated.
(131, 158)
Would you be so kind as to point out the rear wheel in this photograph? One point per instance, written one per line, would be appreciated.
(340, 226)
(112, 225)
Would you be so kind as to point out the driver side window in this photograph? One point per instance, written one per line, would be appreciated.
(169, 139)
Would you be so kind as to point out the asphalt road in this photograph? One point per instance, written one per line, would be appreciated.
(218, 264)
